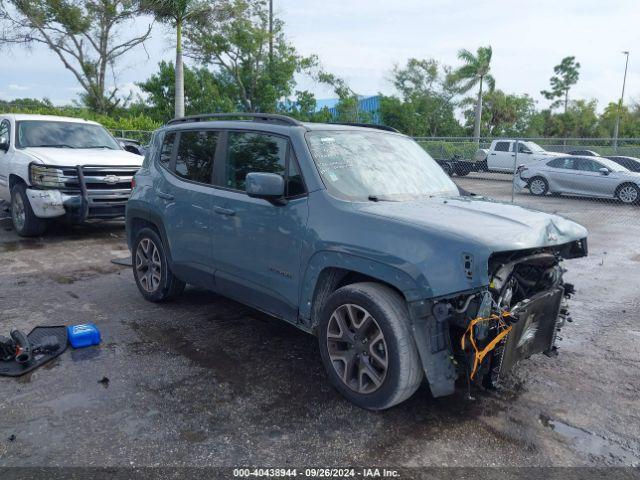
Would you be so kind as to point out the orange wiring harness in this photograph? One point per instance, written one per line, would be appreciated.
(480, 354)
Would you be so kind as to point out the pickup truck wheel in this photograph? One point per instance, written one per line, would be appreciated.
(151, 270)
(367, 347)
(538, 186)
(25, 222)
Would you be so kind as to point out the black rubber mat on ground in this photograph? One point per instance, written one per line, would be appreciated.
(15, 369)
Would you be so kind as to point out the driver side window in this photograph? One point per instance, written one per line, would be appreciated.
(5, 137)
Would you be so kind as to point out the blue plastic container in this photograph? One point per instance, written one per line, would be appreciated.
(83, 335)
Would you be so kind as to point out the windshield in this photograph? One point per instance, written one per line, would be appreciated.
(47, 133)
(360, 165)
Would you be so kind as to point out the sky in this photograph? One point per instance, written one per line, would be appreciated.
(361, 41)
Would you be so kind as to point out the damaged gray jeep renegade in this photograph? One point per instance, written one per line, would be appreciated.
(354, 234)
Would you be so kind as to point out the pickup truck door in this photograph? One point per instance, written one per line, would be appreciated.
(501, 157)
(257, 245)
(5, 159)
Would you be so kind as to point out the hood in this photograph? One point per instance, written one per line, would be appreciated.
(495, 225)
(70, 157)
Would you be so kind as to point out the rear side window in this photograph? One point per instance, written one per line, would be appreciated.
(167, 149)
(566, 163)
(502, 147)
(252, 152)
(194, 159)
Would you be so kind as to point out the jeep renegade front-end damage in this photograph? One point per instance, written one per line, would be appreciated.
(357, 236)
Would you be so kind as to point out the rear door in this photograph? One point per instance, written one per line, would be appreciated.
(257, 245)
(501, 157)
(559, 173)
(185, 191)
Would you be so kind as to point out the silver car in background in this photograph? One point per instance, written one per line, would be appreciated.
(583, 176)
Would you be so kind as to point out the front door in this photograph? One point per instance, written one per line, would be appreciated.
(257, 244)
(185, 191)
(589, 180)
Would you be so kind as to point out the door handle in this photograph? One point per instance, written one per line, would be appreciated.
(164, 195)
(493, 154)
(224, 211)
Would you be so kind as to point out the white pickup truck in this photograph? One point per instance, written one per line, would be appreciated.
(54, 167)
(501, 156)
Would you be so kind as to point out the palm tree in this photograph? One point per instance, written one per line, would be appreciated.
(177, 13)
(474, 72)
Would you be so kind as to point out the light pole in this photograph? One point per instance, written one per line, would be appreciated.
(624, 81)
(270, 31)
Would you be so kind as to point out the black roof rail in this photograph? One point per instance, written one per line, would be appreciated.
(368, 125)
(256, 117)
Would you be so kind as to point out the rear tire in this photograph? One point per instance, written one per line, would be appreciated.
(628, 193)
(538, 186)
(25, 222)
(154, 278)
(367, 347)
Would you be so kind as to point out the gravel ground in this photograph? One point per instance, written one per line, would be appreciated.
(204, 381)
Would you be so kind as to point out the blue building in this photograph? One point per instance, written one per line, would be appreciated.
(369, 105)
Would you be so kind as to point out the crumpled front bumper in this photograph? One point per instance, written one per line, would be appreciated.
(520, 184)
(54, 203)
(49, 203)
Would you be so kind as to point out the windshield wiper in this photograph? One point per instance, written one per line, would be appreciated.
(99, 146)
(52, 145)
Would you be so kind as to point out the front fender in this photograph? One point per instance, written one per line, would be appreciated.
(412, 287)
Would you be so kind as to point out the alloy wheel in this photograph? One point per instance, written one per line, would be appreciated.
(148, 265)
(357, 348)
(537, 186)
(628, 194)
(18, 212)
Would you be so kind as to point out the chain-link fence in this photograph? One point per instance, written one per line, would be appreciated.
(142, 136)
(594, 181)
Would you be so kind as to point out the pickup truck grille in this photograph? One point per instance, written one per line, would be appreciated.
(106, 189)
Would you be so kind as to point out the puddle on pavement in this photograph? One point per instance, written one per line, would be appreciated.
(589, 443)
(23, 245)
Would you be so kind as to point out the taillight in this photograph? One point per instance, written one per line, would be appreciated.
(133, 183)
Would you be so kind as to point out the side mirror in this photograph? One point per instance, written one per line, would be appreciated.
(604, 171)
(4, 146)
(269, 186)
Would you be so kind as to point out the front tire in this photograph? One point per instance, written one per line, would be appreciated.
(628, 194)
(25, 222)
(538, 186)
(367, 347)
(154, 278)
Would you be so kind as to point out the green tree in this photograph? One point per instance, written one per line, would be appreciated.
(204, 92)
(475, 71)
(427, 90)
(177, 13)
(504, 114)
(236, 45)
(88, 36)
(579, 121)
(566, 75)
